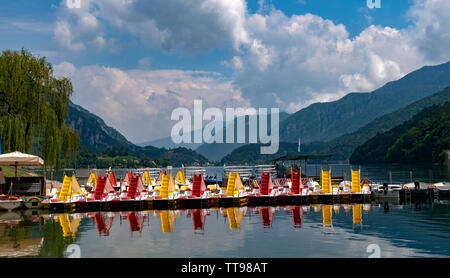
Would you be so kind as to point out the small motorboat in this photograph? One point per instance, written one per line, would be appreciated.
(441, 188)
(33, 202)
(388, 187)
(10, 203)
(416, 185)
(389, 191)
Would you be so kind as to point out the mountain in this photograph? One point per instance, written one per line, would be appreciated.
(423, 139)
(98, 138)
(326, 121)
(95, 135)
(168, 143)
(342, 147)
(251, 154)
(216, 151)
(213, 151)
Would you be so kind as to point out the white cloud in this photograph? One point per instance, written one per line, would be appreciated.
(301, 59)
(288, 61)
(169, 24)
(139, 103)
(431, 32)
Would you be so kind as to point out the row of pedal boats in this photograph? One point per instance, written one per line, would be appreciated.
(166, 191)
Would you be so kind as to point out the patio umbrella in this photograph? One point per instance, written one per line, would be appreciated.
(18, 158)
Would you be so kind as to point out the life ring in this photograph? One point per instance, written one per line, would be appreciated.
(12, 198)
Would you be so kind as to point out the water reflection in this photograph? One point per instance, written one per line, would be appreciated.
(235, 216)
(69, 224)
(18, 234)
(327, 215)
(297, 216)
(104, 222)
(357, 214)
(168, 218)
(198, 218)
(37, 233)
(267, 216)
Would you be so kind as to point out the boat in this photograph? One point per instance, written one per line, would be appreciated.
(387, 191)
(10, 203)
(136, 195)
(266, 193)
(180, 179)
(360, 192)
(417, 185)
(198, 197)
(293, 189)
(235, 192)
(166, 195)
(104, 194)
(69, 195)
(33, 202)
(91, 182)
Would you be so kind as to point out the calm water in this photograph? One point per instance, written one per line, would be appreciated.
(412, 230)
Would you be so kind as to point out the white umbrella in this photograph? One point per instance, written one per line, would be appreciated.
(18, 158)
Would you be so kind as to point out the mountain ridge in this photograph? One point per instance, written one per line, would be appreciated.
(326, 121)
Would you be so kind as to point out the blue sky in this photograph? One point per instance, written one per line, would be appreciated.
(126, 59)
(42, 14)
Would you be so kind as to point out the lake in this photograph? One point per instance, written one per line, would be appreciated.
(385, 230)
(377, 229)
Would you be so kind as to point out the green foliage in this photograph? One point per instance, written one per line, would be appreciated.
(422, 139)
(425, 141)
(95, 135)
(343, 146)
(33, 107)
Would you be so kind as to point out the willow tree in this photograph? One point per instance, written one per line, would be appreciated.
(33, 108)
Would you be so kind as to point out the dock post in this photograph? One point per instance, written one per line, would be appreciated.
(390, 177)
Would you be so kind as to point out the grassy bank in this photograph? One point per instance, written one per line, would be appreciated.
(10, 172)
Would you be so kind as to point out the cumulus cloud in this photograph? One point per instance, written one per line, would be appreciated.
(431, 33)
(139, 103)
(302, 59)
(192, 25)
(287, 61)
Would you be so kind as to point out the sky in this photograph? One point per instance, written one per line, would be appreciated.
(132, 62)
